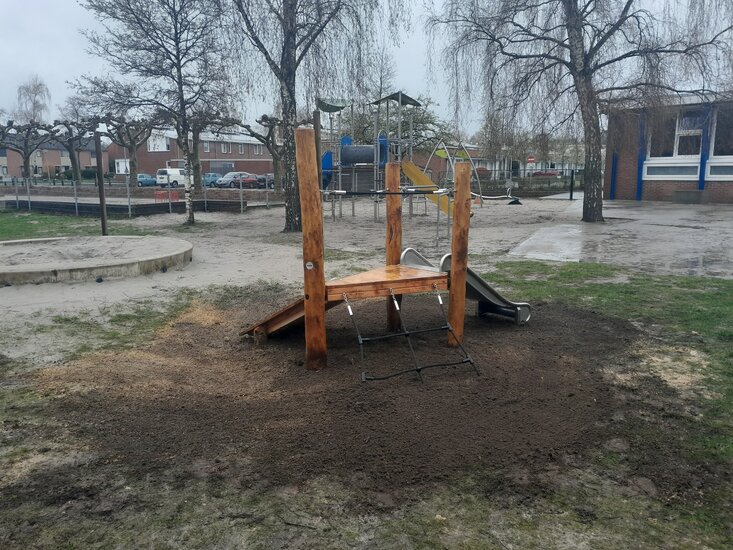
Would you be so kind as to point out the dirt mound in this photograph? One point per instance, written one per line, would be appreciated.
(199, 399)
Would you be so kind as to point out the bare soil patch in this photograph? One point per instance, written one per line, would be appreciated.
(198, 400)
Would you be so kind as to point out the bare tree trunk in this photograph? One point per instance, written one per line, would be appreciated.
(289, 177)
(27, 165)
(132, 160)
(592, 174)
(188, 187)
(288, 67)
(583, 79)
(196, 162)
(75, 168)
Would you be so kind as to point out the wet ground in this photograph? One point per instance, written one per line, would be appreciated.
(657, 237)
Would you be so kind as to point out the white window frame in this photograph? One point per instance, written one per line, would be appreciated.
(258, 149)
(207, 147)
(225, 147)
(675, 160)
(679, 132)
(241, 148)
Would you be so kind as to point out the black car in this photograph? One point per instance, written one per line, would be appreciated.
(266, 181)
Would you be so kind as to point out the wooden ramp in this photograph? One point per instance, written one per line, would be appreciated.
(379, 282)
(419, 178)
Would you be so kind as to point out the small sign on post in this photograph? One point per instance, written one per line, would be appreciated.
(531, 159)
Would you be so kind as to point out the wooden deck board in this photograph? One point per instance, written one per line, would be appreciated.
(369, 284)
(378, 282)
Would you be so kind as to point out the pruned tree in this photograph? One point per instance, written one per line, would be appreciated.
(266, 134)
(306, 42)
(574, 55)
(73, 131)
(167, 60)
(130, 134)
(26, 139)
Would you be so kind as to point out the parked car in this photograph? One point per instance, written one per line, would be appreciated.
(266, 181)
(145, 180)
(210, 179)
(546, 173)
(239, 180)
(171, 176)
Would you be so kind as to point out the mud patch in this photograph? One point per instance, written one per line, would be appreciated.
(196, 397)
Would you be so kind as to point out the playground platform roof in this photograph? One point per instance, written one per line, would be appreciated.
(399, 97)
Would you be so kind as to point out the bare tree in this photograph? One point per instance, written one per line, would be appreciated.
(129, 134)
(167, 52)
(33, 101)
(588, 50)
(297, 37)
(26, 139)
(73, 131)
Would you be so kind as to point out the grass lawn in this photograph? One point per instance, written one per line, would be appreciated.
(29, 225)
(678, 377)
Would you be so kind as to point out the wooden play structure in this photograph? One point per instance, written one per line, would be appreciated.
(392, 281)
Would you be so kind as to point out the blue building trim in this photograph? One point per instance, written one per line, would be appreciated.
(641, 157)
(614, 163)
(705, 147)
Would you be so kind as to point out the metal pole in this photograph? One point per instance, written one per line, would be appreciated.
(17, 198)
(437, 225)
(206, 202)
(412, 129)
(399, 127)
(76, 198)
(572, 183)
(170, 206)
(377, 159)
(100, 182)
(28, 191)
(129, 200)
(447, 219)
(241, 199)
(353, 188)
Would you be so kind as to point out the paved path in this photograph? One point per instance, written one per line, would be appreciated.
(657, 237)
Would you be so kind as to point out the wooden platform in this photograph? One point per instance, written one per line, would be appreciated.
(378, 282)
(369, 284)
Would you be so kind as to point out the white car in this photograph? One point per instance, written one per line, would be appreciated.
(171, 177)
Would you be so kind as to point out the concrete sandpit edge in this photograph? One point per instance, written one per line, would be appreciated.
(168, 253)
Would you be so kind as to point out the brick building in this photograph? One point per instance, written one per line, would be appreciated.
(677, 152)
(50, 160)
(219, 153)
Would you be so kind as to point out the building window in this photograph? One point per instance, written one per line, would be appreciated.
(678, 135)
(689, 132)
(207, 147)
(226, 147)
(258, 149)
(724, 133)
(663, 133)
(158, 142)
(241, 148)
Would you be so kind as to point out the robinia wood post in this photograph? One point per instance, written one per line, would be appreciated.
(314, 281)
(459, 252)
(394, 234)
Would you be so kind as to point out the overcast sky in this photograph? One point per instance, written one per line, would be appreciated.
(42, 37)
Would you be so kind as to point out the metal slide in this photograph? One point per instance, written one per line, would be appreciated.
(420, 179)
(489, 301)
